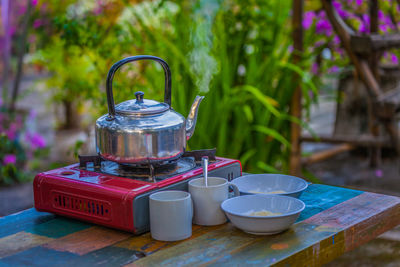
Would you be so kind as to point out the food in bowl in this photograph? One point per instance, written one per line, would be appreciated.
(270, 192)
(262, 213)
(278, 184)
(237, 209)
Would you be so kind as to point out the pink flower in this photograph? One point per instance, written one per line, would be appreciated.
(394, 59)
(11, 132)
(98, 11)
(9, 159)
(383, 28)
(363, 28)
(36, 140)
(381, 15)
(366, 20)
(12, 30)
(314, 68)
(338, 6)
(308, 19)
(333, 69)
(340, 51)
(323, 26)
(385, 54)
(359, 2)
(386, 22)
(37, 23)
(34, 2)
(343, 13)
(336, 40)
(22, 10)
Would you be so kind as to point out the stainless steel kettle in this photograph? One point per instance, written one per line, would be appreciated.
(143, 131)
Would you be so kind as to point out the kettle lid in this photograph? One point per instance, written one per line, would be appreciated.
(140, 106)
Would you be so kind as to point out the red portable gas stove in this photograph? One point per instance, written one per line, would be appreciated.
(116, 195)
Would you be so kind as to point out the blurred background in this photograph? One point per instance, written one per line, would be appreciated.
(55, 55)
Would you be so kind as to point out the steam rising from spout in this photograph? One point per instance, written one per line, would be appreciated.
(204, 65)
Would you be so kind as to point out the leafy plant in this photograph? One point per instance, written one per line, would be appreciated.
(237, 53)
(245, 112)
(84, 42)
(19, 147)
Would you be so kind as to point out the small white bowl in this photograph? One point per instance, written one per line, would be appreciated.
(238, 208)
(278, 184)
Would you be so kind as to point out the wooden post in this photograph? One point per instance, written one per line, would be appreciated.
(295, 107)
(374, 57)
(375, 151)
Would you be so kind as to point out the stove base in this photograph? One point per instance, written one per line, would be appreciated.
(112, 201)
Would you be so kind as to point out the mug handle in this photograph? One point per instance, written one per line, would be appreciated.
(236, 191)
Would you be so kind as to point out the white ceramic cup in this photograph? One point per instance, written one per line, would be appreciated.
(171, 214)
(207, 199)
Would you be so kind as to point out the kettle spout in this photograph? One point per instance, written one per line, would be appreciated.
(192, 117)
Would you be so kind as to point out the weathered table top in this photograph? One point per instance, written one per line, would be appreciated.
(335, 220)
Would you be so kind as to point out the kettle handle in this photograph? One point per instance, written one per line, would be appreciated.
(117, 65)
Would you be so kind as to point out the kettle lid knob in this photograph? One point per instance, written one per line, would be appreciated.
(139, 96)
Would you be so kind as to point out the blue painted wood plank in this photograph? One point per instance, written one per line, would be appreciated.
(39, 256)
(58, 227)
(320, 197)
(109, 256)
(20, 221)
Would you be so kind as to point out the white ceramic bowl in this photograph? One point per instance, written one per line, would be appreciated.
(238, 208)
(279, 184)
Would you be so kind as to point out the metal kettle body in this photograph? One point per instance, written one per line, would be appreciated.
(143, 131)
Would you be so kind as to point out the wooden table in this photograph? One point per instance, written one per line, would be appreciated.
(335, 220)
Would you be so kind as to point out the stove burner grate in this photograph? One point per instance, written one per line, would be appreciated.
(148, 172)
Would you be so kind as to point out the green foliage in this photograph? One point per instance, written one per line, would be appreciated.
(236, 53)
(15, 170)
(20, 147)
(79, 52)
(245, 112)
(9, 172)
(74, 150)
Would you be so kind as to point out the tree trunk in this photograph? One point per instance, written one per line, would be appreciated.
(7, 47)
(20, 56)
(71, 116)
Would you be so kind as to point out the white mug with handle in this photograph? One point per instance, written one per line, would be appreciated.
(207, 199)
